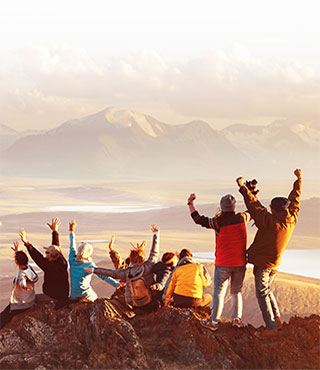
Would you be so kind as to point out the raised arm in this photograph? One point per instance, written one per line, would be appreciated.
(197, 218)
(257, 211)
(154, 251)
(295, 193)
(54, 226)
(73, 248)
(38, 258)
(115, 256)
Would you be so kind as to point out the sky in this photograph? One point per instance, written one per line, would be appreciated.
(221, 61)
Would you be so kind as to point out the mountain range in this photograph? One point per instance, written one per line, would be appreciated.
(122, 144)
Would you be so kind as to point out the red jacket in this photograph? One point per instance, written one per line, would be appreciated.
(231, 237)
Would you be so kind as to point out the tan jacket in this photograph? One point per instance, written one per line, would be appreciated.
(274, 231)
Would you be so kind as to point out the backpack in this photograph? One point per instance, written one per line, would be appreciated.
(139, 289)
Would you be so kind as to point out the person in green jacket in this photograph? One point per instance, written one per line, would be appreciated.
(274, 232)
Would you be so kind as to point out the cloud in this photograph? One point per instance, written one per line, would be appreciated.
(47, 85)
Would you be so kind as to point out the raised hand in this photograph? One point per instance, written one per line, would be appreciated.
(299, 173)
(154, 228)
(55, 223)
(192, 198)
(23, 236)
(15, 247)
(110, 246)
(240, 181)
(72, 226)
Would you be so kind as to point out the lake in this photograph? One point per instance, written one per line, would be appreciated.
(304, 262)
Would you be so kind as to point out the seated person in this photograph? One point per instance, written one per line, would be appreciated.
(80, 279)
(23, 294)
(138, 275)
(186, 283)
(162, 271)
(55, 281)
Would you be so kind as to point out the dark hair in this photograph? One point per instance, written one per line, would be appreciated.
(21, 258)
(185, 253)
(167, 257)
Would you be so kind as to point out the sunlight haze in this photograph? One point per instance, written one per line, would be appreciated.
(230, 62)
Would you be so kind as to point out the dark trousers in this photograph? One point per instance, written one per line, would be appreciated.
(188, 302)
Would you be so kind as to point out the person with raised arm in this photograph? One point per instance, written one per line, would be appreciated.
(78, 259)
(117, 260)
(23, 294)
(56, 281)
(138, 275)
(274, 232)
(230, 256)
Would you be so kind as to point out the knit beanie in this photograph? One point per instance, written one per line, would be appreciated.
(280, 203)
(228, 203)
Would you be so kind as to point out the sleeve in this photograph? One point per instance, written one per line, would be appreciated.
(38, 258)
(161, 281)
(294, 198)
(119, 274)
(154, 252)
(170, 288)
(116, 259)
(203, 220)
(109, 280)
(246, 216)
(55, 238)
(22, 281)
(73, 249)
(257, 211)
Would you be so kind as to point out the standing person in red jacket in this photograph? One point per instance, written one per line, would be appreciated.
(230, 261)
(56, 281)
(274, 232)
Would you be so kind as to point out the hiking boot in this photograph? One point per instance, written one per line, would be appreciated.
(209, 324)
(237, 322)
(278, 322)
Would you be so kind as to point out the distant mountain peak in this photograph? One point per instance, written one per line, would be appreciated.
(129, 118)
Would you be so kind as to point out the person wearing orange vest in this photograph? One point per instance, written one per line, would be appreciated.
(230, 256)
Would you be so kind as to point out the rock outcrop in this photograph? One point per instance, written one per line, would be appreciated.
(96, 336)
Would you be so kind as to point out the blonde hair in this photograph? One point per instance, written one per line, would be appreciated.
(85, 251)
(137, 254)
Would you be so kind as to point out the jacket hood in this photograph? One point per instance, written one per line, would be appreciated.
(185, 261)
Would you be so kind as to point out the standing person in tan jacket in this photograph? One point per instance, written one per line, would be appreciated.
(274, 231)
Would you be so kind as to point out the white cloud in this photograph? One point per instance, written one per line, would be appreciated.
(45, 86)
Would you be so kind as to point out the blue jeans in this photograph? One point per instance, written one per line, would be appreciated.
(222, 275)
(267, 302)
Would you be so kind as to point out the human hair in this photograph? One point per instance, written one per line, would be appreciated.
(136, 256)
(185, 253)
(169, 258)
(85, 251)
(21, 258)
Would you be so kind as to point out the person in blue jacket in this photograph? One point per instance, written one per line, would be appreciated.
(78, 259)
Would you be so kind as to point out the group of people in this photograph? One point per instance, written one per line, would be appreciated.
(178, 279)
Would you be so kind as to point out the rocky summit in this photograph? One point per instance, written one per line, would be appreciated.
(100, 335)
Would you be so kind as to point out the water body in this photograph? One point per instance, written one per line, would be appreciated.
(303, 262)
(104, 209)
